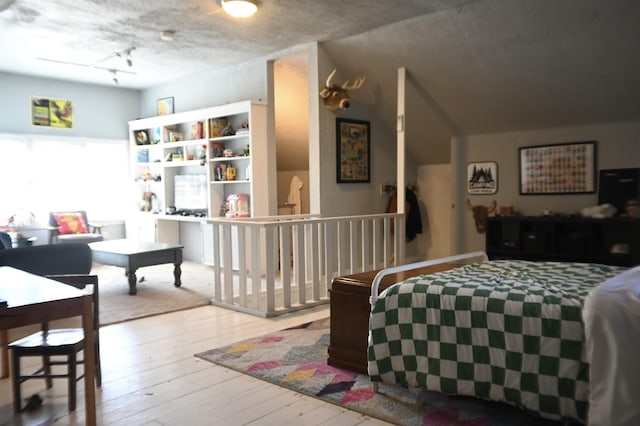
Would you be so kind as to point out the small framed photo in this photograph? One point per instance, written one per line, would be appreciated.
(175, 137)
(217, 149)
(142, 137)
(165, 106)
(352, 151)
(482, 178)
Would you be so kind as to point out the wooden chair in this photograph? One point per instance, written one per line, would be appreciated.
(58, 259)
(49, 343)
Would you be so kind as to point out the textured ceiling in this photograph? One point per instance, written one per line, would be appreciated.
(474, 66)
(45, 38)
(501, 65)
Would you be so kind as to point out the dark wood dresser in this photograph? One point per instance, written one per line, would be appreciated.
(349, 306)
(612, 241)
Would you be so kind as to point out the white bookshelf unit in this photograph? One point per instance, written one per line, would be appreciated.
(199, 163)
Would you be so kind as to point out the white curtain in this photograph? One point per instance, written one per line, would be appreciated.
(40, 174)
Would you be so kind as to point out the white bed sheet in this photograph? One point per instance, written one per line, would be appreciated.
(612, 327)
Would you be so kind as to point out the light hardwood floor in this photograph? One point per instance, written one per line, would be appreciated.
(150, 377)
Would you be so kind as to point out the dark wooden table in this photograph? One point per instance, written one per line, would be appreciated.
(133, 254)
(32, 299)
(349, 312)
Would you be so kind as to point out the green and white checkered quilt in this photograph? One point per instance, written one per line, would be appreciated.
(503, 330)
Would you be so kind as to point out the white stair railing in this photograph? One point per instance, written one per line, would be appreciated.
(274, 265)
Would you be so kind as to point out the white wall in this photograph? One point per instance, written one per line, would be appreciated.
(98, 111)
(246, 81)
(102, 111)
(343, 199)
(291, 104)
(434, 197)
(617, 148)
(250, 81)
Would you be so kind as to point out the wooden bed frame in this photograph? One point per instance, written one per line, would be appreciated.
(349, 300)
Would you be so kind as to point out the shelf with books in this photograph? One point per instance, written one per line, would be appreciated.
(167, 148)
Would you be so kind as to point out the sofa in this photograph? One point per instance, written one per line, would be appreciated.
(50, 259)
(5, 241)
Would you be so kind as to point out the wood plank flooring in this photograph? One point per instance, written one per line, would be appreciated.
(150, 377)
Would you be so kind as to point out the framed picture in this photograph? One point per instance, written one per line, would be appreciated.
(142, 137)
(165, 106)
(51, 112)
(175, 137)
(568, 168)
(352, 151)
(482, 178)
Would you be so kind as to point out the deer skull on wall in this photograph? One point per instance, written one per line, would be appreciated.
(335, 96)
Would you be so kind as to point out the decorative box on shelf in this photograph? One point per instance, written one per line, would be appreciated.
(238, 206)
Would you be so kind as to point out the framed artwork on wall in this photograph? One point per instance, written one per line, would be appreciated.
(165, 106)
(482, 178)
(352, 151)
(567, 168)
(51, 112)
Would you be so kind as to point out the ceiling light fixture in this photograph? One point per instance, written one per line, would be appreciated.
(115, 76)
(239, 8)
(167, 35)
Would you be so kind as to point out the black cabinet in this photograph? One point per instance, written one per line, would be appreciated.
(614, 241)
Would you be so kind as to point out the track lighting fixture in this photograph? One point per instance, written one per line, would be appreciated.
(126, 54)
(113, 69)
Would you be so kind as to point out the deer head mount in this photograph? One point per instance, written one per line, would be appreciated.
(335, 96)
(480, 214)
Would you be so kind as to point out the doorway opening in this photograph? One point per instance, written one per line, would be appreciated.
(291, 109)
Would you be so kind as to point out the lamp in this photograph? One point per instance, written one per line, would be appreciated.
(239, 8)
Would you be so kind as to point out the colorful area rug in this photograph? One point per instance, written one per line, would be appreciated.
(296, 358)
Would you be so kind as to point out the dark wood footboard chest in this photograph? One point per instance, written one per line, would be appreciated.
(349, 305)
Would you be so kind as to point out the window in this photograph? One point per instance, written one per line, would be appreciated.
(46, 173)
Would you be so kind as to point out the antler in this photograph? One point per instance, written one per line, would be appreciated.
(356, 84)
(329, 82)
(493, 206)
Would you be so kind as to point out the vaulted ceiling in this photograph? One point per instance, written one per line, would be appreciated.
(81, 39)
(502, 65)
(474, 66)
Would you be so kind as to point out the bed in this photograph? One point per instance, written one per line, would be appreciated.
(556, 339)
